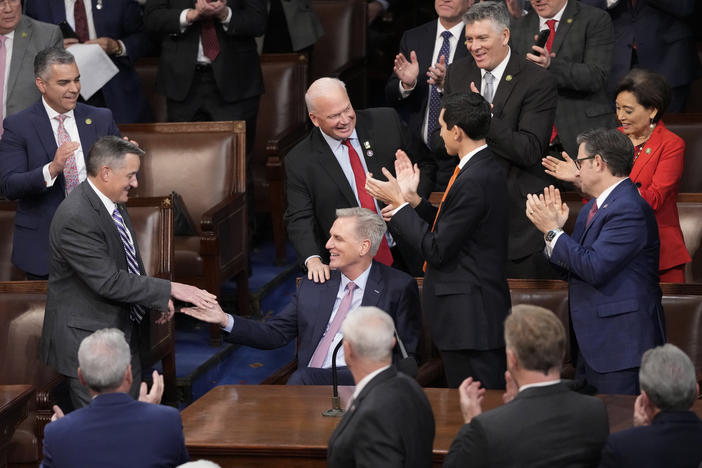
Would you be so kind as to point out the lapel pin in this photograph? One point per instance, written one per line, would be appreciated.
(648, 150)
(569, 20)
(605, 205)
(508, 78)
(367, 148)
(99, 4)
(88, 121)
(24, 34)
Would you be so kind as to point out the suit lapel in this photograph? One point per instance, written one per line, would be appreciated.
(507, 83)
(374, 287)
(651, 147)
(424, 55)
(602, 210)
(104, 219)
(366, 139)
(86, 129)
(564, 25)
(22, 37)
(44, 130)
(331, 166)
(461, 49)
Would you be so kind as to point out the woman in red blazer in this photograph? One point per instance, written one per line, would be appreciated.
(642, 97)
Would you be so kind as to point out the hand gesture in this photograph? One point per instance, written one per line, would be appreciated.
(437, 73)
(196, 296)
(58, 413)
(388, 192)
(407, 177)
(156, 393)
(407, 71)
(471, 398)
(475, 89)
(514, 9)
(210, 314)
(546, 211)
(107, 44)
(63, 152)
(542, 57)
(564, 170)
(316, 270)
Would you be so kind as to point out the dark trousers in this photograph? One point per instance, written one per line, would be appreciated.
(623, 382)
(486, 366)
(317, 376)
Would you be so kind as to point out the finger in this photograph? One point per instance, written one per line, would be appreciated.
(413, 57)
(326, 272)
(442, 60)
(142, 391)
(389, 175)
(473, 88)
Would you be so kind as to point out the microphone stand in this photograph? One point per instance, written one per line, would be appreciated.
(335, 411)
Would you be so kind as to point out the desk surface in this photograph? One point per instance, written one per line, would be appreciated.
(243, 422)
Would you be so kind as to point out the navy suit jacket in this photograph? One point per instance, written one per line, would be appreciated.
(307, 315)
(465, 294)
(612, 265)
(119, 20)
(671, 440)
(116, 431)
(26, 146)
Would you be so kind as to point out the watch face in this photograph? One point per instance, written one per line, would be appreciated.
(550, 235)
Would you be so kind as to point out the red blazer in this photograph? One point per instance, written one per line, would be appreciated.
(657, 173)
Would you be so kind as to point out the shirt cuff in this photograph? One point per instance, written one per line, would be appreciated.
(225, 21)
(406, 92)
(124, 48)
(551, 245)
(392, 213)
(184, 19)
(47, 176)
(230, 324)
(310, 257)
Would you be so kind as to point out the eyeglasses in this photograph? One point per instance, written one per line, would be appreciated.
(577, 161)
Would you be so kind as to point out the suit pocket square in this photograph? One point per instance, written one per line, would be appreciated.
(617, 308)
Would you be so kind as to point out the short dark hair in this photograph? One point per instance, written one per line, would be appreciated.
(496, 12)
(109, 151)
(470, 111)
(51, 56)
(613, 146)
(650, 89)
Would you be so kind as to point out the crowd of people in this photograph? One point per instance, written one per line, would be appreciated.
(500, 105)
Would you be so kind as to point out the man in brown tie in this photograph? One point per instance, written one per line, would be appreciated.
(464, 243)
(316, 313)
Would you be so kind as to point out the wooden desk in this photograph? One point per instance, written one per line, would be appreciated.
(13, 410)
(283, 426)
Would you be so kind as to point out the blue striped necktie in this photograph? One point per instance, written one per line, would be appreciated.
(137, 312)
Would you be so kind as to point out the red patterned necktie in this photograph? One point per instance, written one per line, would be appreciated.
(81, 21)
(70, 168)
(210, 42)
(549, 44)
(448, 187)
(384, 255)
(591, 213)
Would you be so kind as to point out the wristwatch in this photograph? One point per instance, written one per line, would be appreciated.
(550, 235)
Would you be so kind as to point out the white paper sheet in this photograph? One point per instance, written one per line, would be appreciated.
(95, 68)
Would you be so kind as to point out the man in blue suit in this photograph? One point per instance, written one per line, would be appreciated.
(610, 261)
(115, 430)
(34, 149)
(312, 315)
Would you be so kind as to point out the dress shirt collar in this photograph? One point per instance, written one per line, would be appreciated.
(364, 381)
(464, 160)
(603, 196)
(498, 71)
(539, 384)
(109, 204)
(557, 17)
(335, 144)
(10, 35)
(52, 113)
(360, 282)
(455, 32)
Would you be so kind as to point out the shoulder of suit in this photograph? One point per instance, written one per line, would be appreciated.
(38, 25)
(422, 31)
(86, 109)
(393, 273)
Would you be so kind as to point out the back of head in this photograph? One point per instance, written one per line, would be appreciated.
(667, 375)
(109, 151)
(536, 336)
(103, 358)
(496, 12)
(370, 332)
(650, 89)
(51, 56)
(470, 111)
(613, 146)
(369, 225)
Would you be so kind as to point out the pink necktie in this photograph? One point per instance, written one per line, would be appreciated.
(320, 354)
(591, 213)
(70, 168)
(3, 61)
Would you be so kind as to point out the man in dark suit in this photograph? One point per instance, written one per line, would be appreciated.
(666, 433)
(29, 37)
(656, 35)
(96, 276)
(389, 421)
(464, 244)
(523, 97)
(115, 430)
(578, 54)
(610, 261)
(327, 170)
(40, 146)
(117, 27)
(314, 316)
(425, 50)
(543, 422)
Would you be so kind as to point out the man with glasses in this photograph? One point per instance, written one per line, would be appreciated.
(610, 260)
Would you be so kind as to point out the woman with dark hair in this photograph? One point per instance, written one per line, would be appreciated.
(642, 97)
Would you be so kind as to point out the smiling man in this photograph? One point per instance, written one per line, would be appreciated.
(42, 155)
(523, 97)
(316, 313)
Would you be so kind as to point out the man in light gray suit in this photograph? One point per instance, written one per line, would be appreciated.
(96, 276)
(24, 37)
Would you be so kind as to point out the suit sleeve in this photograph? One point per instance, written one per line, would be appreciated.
(56, 39)
(611, 458)
(617, 243)
(274, 333)
(376, 444)
(248, 19)
(666, 177)
(590, 74)
(131, 27)
(160, 18)
(681, 9)
(468, 448)
(17, 179)
(408, 319)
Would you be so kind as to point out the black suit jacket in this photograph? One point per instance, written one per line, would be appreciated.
(307, 315)
(465, 294)
(90, 286)
(389, 424)
(671, 440)
(237, 70)
(316, 185)
(435, 164)
(542, 427)
(583, 46)
(522, 120)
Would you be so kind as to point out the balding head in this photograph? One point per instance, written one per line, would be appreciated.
(330, 109)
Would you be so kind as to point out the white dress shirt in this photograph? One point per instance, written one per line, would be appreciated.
(202, 59)
(557, 17)
(497, 72)
(109, 205)
(72, 128)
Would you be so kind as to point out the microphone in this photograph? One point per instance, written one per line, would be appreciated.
(335, 411)
(407, 365)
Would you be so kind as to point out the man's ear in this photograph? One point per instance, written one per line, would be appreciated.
(81, 379)
(128, 377)
(40, 84)
(365, 247)
(314, 119)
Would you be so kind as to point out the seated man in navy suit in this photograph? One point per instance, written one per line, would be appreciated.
(316, 312)
(666, 432)
(115, 430)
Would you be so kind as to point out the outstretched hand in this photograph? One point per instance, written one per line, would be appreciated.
(564, 170)
(388, 192)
